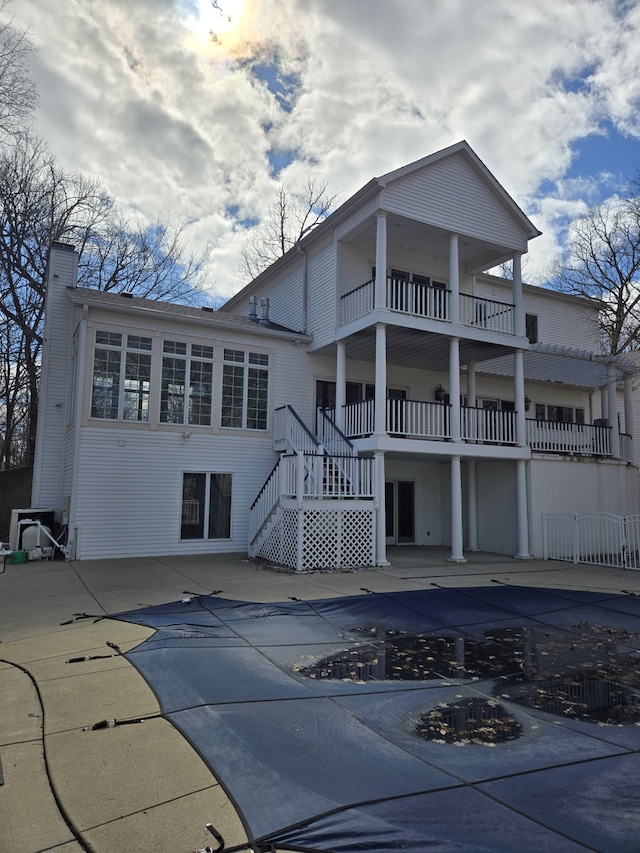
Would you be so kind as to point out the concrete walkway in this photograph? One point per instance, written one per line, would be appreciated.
(141, 787)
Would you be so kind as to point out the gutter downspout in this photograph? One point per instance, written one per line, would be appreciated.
(77, 417)
(305, 287)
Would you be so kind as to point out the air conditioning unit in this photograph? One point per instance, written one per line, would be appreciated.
(17, 530)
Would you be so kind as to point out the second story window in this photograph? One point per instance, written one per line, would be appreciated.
(187, 384)
(531, 328)
(245, 389)
(121, 381)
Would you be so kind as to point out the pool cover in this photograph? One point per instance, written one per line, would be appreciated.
(488, 719)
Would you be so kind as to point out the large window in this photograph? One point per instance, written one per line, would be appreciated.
(121, 376)
(187, 383)
(245, 389)
(206, 506)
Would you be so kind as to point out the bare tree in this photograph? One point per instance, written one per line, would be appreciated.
(41, 203)
(602, 262)
(18, 95)
(290, 218)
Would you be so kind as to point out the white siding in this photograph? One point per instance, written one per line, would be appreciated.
(286, 300)
(53, 407)
(577, 486)
(561, 319)
(451, 194)
(322, 296)
(129, 490)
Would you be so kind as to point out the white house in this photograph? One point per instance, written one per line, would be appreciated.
(374, 386)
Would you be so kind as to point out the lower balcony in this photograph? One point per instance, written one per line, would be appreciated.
(426, 420)
(421, 419)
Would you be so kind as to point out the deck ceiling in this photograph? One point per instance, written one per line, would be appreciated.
(475, 255)
(418, 349)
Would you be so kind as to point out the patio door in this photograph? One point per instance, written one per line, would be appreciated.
(400, 512)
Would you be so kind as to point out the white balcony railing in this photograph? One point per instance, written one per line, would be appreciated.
(417, 418)
(429, 301)
(486, 314)
(488, 426)
(580, 439)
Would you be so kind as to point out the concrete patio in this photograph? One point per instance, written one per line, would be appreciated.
(142, 787)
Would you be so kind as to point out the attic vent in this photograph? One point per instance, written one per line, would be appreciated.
(127, 294)
(207, 308)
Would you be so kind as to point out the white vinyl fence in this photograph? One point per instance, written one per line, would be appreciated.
(599, 538)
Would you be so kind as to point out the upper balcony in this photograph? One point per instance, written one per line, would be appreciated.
(429, 301)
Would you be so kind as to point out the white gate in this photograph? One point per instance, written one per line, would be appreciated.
(599, 538)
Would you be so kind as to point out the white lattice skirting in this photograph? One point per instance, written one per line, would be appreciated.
(311, 539)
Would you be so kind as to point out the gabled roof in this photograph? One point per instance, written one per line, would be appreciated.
(467, 151)
(372, 188)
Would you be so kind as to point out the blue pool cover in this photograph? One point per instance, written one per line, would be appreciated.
(487, 719)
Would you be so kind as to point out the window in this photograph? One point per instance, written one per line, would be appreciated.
(206, 506)
(187, 384)
(559, 414)
(531, 328)
(121, 376)
(245, 389)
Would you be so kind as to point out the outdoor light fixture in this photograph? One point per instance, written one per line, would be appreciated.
(440, 393)
(527, 404)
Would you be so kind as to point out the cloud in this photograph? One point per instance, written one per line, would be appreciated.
(184, 109)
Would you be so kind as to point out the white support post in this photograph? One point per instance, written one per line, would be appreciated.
(380, 300)
(472, 505)
(519, 325)
(381, 517)
(471, 383)
(380, 416)
(518, 396)
(457, 552)
(299, 510)
(299, 478)
(454, 387)
(612, 409)
(522, 511)
(454, 279)
(628, 406)
(341, 383)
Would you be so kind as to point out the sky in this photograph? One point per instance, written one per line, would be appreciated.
(198, 111)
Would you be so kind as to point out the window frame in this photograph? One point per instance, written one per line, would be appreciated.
(183, 360)
(245, 392)
(197, 510)
(121, 351)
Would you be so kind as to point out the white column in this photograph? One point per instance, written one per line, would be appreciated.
(628, 406)
(522, 511)
(604, 403)
(454, 387)
(519, 324)
(380, 425)
(454, 279)
(518, 396)
(380, 299)
(341, 383)
(472, 505)
(457, 553)
(381, 511)
(471, 383)
(612, 410)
